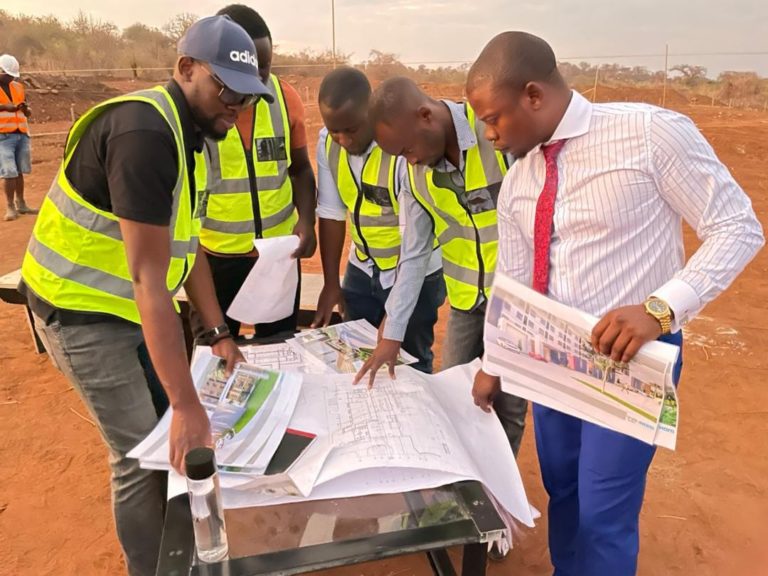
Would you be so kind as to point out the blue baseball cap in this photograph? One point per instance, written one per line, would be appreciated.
(228, 50)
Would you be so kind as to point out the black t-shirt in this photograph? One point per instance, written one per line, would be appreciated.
(126, 163)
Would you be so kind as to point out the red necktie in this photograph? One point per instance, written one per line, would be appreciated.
(545, 210)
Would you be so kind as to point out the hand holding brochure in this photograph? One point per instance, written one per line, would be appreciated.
(542, 351)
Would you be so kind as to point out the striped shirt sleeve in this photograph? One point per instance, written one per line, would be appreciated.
(692, 180)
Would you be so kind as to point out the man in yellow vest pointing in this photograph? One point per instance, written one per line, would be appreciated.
(359, 179)
(259, 181)
(116, 238)
(452, 185)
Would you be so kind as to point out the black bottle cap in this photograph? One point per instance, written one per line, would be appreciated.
(200, 463)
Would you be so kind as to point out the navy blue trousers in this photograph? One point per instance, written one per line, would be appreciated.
(595, 479)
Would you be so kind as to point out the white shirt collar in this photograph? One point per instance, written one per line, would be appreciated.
(575, 122)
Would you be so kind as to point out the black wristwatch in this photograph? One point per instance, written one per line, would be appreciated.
(210, 337)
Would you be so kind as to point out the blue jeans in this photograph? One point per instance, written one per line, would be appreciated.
(595, 479)
(364, 298)
(108, 366)
(15, 158)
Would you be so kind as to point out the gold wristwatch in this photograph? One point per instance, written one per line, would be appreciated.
(661, 311)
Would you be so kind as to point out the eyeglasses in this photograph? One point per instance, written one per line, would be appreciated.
(229, 97)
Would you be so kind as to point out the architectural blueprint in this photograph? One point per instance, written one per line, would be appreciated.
(393, 424)
(415, 432)
(282, 357)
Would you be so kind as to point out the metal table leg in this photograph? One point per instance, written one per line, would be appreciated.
(474, 560)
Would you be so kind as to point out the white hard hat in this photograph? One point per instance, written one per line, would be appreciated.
(9, 65)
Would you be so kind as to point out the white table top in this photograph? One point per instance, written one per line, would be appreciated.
(10, 280)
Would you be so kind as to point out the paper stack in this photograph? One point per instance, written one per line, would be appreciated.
(342, 348)
(249, 412)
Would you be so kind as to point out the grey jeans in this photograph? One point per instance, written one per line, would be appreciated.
(464, 344)
(105, 365)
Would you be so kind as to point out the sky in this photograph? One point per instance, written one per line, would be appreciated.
(454, 31)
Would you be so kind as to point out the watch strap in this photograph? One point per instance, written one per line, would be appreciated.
(664, 320)
(210, 337)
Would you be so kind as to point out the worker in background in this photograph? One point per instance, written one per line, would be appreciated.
(15, 160)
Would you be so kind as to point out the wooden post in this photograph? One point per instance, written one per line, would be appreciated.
(666, 72)
(594, 88)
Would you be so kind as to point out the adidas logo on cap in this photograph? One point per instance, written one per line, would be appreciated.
(245, 56)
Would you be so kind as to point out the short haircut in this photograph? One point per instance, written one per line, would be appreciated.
(512, 60)
(394, 98)
(248, 19)
(345, 84)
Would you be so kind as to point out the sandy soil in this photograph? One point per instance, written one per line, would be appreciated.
(706, 510)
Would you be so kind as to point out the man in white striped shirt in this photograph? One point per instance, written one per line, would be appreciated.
(591, 215)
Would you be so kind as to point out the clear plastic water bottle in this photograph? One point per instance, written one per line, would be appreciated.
(205, 503)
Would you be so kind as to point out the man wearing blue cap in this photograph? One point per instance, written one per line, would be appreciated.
(116, 238)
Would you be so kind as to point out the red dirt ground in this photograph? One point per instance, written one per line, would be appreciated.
(706, 511)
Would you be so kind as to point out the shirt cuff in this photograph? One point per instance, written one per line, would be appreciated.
(682, 299)
(487, 369)
(394, 330)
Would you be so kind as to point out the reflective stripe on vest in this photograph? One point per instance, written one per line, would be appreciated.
(464, 219)
(76, 258)
(13, 121)
(372, 206)
(229, 226)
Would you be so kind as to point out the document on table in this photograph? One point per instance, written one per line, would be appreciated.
(249, 411)
(343, 348)
(269, 292)
(417, 431)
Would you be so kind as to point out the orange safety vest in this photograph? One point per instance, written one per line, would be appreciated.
(13, 121)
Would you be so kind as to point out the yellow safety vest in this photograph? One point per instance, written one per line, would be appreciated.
(76, 257)
(464, 218)
(373, 208)
(235, 217)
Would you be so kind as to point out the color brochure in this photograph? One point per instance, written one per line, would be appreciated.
(542, 351)
(249, 412)
(343, 348)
